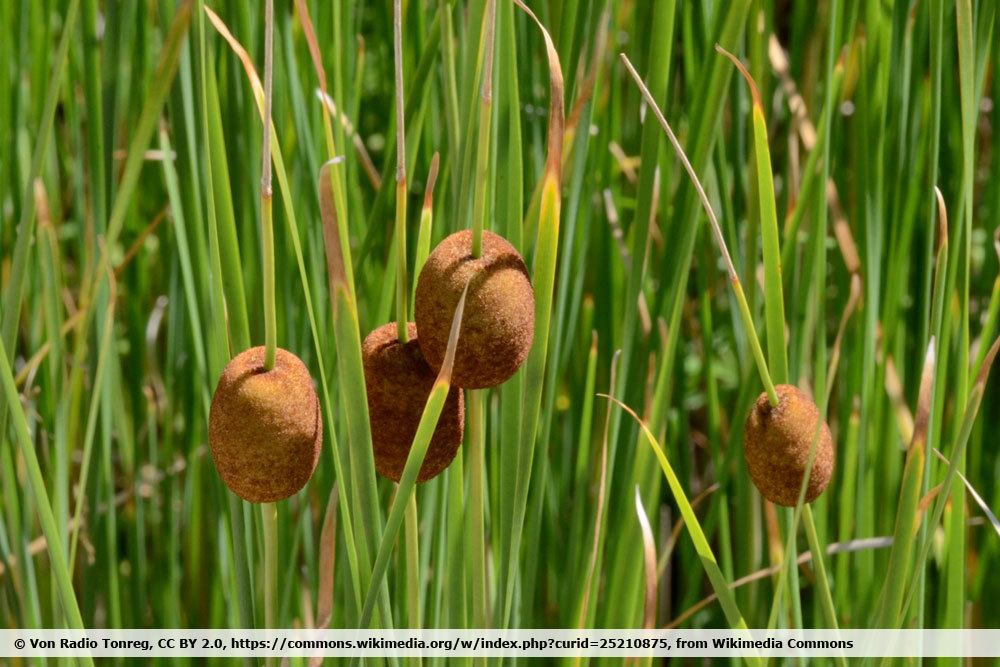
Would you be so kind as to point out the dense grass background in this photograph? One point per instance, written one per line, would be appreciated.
(129, 172)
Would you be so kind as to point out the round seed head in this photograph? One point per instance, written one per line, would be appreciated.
(265, 427)
(777, 441)
(399, 382)
(499, 320)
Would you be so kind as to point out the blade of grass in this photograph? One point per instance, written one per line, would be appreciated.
(968, 97)
(14, 294)
(543, 274)
(589, 589)
(702, 547)
(968, 420)
(774, 300)
(352, 381)
(898, 569)
(41, 498)
(734, 279)
(412, 558)
(88, 441)
(227, 296)
(426, 220)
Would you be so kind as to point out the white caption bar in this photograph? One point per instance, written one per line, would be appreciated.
(499, 643)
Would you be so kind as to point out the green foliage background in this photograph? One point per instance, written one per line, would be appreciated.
(130, 245)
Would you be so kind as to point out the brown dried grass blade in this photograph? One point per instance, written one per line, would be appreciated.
(557, 106)
(327, 560)
(431, 180)
(241, 53)
(649, 560)
(310, 34)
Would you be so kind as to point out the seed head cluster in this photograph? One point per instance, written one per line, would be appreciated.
(264, 427)
(776, 444)
(499, 321)
(497, 328)
(399, 382)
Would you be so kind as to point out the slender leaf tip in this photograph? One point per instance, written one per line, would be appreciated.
(444, 375)
(754, 91)
(557, 108)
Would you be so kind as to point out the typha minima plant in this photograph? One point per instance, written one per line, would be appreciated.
(780, 429)
(265, 423)
(260, 376)
(785, 433)
(501, 301)
(397, 377)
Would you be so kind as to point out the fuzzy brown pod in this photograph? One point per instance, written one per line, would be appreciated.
(776, 444)
(265, 427)
(399, 381)
(499, 321)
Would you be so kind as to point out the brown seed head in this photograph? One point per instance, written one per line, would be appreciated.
(265, 427)
(499, 321)
(399, 382)
(776, 443)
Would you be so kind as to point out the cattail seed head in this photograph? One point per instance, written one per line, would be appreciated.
(499, 321)
(399, 382)
(777, 442)
(265, 427)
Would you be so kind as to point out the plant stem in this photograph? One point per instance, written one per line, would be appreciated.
(269, 511)
(267, 227)
(734, 279)
(483, 146)
(269, 520)
(826, 600)
(402, 280)
(270, 316)
(412, 531)
(477, 532)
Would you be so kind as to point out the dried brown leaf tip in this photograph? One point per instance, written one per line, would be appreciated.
(265, 427)
(399, 382)
(499, 321)
(776, 444)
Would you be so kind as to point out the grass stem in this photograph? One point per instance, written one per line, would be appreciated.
(402, 278)
(267, 225)
(734, 278)
(269, 521)
(483, 144)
